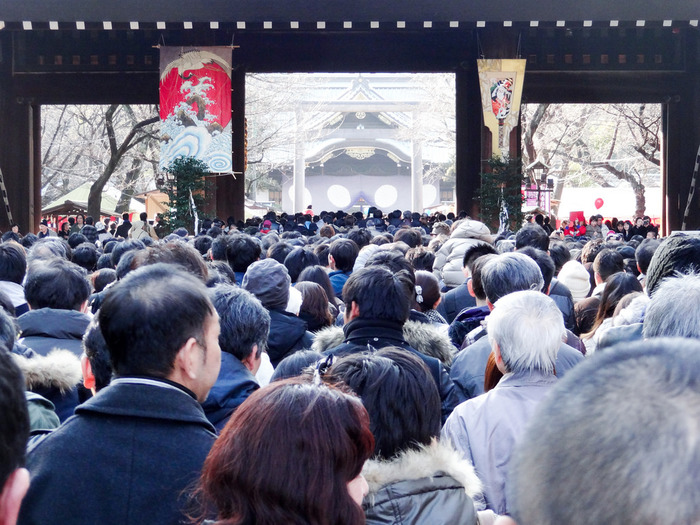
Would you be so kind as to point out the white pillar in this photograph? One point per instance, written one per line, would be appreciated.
(299, 180)
(417, 176)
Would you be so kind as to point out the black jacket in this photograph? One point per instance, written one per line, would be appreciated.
(233, 386)
(129, 456)
(455, 301)
(364, 334)
(288, 334)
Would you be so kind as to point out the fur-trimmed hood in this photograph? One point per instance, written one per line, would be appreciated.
(424, 337)
(59, 369)
(425, 462)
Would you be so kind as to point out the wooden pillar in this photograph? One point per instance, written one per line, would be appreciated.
(18, 135)
(230, 191)
(468, 142)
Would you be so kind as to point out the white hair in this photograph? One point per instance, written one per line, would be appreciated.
(674, 309)
(528, 328)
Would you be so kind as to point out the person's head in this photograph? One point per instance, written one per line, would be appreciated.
(97, 369)
(342, 254)
(374, 292)
(314, 303)
(56, 283)
(317, 274)
(532, 235)
(176, 253)
(411, 236)
(48, 248)
(421, 258)
(279, 251)
(508, 273)
(240, 251)
(125, 216)
(291, 453)
(638, 405)
(525, 330)
(296, 364)
(120, 248)
(244, 324)
(269, 281)
(590, 250)
(672, 311)
(560, 254)
(430, 296)
(402, 401)
(158, 321)
(474, 251)
(677, 253)
(13, 262)
(85, 255)
(607, 263)
(618, 286)
(544, 262)
(14, 434)
(299, 259)
(143, 216)
(644, 253)
(361, 237)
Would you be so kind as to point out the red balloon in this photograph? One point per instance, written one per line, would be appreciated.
(599, 203)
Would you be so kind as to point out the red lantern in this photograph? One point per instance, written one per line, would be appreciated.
(599, 203)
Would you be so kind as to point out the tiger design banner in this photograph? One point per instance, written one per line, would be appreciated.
(501, 83)
(195, 106)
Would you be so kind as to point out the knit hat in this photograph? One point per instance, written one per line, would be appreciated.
(269, 281)
(680, 253)
(576, 278)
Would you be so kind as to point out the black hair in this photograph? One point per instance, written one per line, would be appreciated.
(421, 259)
(402, 401)
(379, 293)
(176, 253)
(532, 235)
(644, 253)
(104, 261)
(122, 247)
(220, 273)
(361, 236)
(607, 263)
(203, 243)
(97, 353)
(344, 253)
(243, 320)
(474, 251)
(294, 364)
(560, 254)
(317, 274)
(299, 259)
(13, 262)
(410, 236)
(239, 250)
(85, 255)
(102, 277)
(149, 315)
(14, 423)
(279, 251)
(75, 239)
(56, 283)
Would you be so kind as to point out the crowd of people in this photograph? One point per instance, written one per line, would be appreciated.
(334, 368)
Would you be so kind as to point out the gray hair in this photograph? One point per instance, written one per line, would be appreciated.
(243, 320)
(674, 310)
(508, 273)
(638, 407)
(528, 328)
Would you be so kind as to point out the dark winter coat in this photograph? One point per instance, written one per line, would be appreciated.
(288, 334)
(361, 334)
(233, 386)
(455, 301)
(129, 456)
(46, 328)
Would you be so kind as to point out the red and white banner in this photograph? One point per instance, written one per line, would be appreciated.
(195, 106)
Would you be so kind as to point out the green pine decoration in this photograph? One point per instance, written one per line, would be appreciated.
(187, 177)
(502, 181)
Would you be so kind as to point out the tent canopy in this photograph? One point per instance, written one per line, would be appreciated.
(76, 202)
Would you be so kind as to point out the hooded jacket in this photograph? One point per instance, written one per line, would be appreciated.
(288, 334)
(48, 328)
(363, 334)
(448, 260)
(432, 485)
(421, 336)
(55, 376)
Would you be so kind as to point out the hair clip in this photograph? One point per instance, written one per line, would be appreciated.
(419, 294)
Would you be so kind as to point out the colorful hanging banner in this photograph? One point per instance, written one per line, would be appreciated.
(195, 106)
(501, 83)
